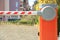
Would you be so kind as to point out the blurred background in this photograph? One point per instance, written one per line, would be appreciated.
(25, 5)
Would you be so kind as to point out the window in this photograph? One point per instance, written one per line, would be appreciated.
(14, 17)
(21, 5)
(17, 4)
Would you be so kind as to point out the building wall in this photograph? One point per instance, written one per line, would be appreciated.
(21, 5)
(1, 5)
(6, 5)
(26, 5)
(14, 5)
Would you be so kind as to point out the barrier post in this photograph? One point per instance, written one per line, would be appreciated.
(48, 28)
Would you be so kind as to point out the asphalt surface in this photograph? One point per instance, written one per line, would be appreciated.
(19, 32)
(58, 38)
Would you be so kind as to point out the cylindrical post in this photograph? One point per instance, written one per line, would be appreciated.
(48, 28)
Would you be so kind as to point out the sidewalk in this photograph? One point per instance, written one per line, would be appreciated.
(14, 32)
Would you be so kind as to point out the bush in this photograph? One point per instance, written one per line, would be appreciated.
(59, 18)
(30, 20)
(25, 22)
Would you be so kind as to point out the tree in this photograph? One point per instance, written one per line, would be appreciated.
(58, 2)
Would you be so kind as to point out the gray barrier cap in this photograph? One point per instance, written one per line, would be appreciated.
(48, 13)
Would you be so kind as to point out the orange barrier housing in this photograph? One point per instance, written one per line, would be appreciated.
(48, 29)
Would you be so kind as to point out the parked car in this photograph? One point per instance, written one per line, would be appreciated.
(13, 18)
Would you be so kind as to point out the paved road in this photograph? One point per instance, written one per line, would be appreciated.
(14, 32)
(58, 38)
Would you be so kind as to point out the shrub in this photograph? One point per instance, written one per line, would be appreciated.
(59, 18)
(30, 20)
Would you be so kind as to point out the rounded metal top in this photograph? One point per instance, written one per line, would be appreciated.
(44, 5)
(48, 13)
